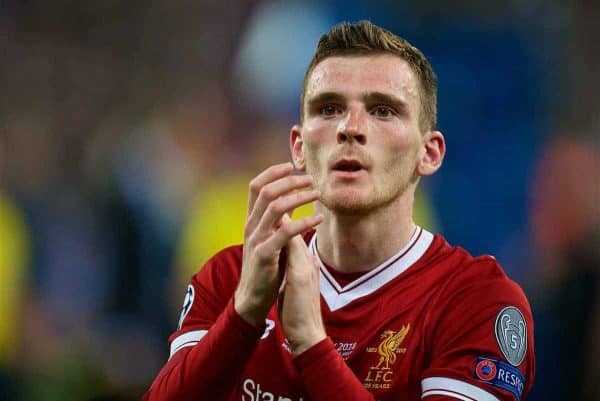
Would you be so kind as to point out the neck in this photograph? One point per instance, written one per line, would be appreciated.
(361, 243)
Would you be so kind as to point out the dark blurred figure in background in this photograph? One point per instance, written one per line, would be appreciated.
(565, 223)
(565, 210)
(96, 155)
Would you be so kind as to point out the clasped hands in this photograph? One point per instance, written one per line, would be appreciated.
(273, 195)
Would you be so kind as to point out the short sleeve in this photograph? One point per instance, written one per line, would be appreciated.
(206, 296)
(480, 339)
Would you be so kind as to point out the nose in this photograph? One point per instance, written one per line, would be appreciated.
(352, 127)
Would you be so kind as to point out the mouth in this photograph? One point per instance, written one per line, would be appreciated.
(348, 166)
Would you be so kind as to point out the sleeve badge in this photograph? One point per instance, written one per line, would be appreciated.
(511, 334)
(188, 301)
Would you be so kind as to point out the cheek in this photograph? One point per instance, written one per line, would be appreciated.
(315, 133)
(402, 157)
(313, 145)
(309, 151)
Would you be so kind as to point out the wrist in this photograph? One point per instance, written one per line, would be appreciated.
(251, 312)
(304, 344)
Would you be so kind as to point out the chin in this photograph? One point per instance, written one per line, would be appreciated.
(355, 202)
(349, 203)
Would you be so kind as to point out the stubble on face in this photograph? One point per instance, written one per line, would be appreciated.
(391, 174)
(351, 201)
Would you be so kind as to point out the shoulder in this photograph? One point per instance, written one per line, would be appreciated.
(465, 272)
(474, 287)
(479, 330)
(231, 255)
(222, 268)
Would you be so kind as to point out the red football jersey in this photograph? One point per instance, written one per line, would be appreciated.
(431, 321)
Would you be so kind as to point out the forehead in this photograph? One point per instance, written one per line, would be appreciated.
(356, 75)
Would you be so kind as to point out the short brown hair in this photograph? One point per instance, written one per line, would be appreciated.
(365, 38)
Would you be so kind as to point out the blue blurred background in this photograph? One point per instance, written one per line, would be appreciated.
(129, 131)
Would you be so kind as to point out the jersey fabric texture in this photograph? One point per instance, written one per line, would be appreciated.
(432, 322)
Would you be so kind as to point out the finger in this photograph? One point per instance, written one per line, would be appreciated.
(269, 175)
(281, 298)
(271, 192)
(285, 232)
(315, 262)
(273, 216)
(297, 250)
(296, 242)
(287, 216)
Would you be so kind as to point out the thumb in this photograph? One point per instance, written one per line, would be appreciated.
(315, 261)
(296, 246)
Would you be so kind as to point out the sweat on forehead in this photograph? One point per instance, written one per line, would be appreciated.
(365, 77)
(363, 38)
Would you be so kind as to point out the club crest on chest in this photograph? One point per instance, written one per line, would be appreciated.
(380, 374)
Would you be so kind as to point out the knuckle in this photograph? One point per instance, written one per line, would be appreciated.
(250, 241)
(254, 186)
(247, 230)
(260, 253)
(267, 193)
(303, 224)
(301, 196)
(299, 179)
(276, 207)
(287, 229)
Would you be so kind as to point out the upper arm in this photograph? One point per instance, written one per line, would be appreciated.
(205, 299)
(481, 342)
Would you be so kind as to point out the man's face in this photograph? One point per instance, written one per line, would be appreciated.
(360, 138)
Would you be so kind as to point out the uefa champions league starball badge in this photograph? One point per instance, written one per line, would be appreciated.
(188, 300)
(511, 334)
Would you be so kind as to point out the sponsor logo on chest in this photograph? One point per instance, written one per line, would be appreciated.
(380, 374)
(253, 391)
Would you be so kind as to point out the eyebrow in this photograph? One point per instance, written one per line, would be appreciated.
(324, 97)
(369, 98)
(384, 98)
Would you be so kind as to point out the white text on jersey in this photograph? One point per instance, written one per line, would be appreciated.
(254, 392)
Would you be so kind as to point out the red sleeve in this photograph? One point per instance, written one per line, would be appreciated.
(439, 398)
(325, 375)
(213, 343)
(481, 339)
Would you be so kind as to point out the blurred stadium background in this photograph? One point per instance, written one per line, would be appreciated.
(129, 130)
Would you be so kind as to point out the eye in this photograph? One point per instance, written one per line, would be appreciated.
(329, 110)
(383, 111)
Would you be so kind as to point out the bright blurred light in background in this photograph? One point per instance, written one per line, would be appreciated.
(275, 51)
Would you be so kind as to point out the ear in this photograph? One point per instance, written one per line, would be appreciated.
(297, 147)
(434, 149)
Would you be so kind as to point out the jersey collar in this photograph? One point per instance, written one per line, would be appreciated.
(337, 296)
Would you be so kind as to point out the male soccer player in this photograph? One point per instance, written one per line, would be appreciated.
(356, 302)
